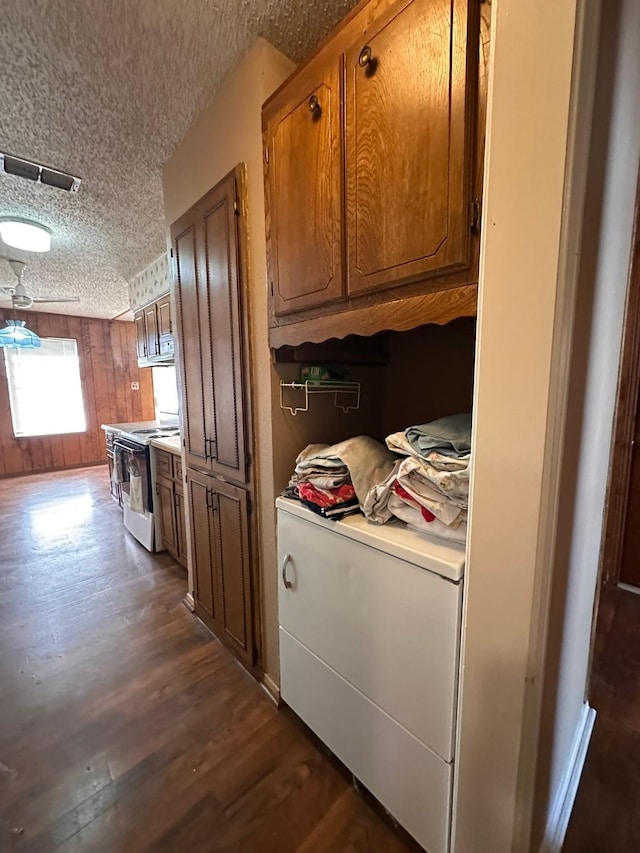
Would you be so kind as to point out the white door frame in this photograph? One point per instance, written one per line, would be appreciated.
(541, 84)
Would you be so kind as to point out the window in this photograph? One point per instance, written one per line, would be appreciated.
(45, 391)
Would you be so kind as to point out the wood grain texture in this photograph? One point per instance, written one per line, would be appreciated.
(349, 313)
(409, 152)
(170, 502)
(222, 563)
(165, 324)
(108, 365)
(209, 271)
(304, 186)
(125, 725)
(400, 315)
(154, 331)
(189, 340)
(606, 813)
(166, 507)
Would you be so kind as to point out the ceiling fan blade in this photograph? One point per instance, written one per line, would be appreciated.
(56, 299)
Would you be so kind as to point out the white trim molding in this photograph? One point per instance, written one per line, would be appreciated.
(562, 805)
(189, 602)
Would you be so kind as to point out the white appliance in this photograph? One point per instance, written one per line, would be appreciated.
(370, 620)
(132, 445)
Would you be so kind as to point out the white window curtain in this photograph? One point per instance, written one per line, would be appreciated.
(45, 390)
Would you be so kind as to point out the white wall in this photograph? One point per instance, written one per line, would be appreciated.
(530, 87)
(609, 213)
(227, 132)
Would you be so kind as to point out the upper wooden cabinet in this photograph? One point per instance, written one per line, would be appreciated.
(304, 171)
(211, 331)
(373, 173)
(409, 151)
(164, 324)
(154, 337)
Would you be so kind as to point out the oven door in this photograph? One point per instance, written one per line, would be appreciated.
(134, 471)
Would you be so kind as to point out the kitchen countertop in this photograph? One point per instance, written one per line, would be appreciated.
(130, 427)
(172, 444)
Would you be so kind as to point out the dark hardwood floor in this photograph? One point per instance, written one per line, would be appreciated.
(606, 814)
(124, 725)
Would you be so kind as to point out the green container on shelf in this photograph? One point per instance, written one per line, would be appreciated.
(321, 373)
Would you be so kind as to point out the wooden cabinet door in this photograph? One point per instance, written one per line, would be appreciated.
(222, 571)
(141, 336)
(203, 550)
(229, 508)
(165, 331)
(223, 355)
(208, 271)
(304, 192)
(181, 540)
(409, 148)
(190, 304)
(164, 498)
(151, 327)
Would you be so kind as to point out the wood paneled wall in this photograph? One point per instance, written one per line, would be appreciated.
(108, 366)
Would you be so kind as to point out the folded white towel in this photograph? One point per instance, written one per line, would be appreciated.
(136, 499)
(412, 516)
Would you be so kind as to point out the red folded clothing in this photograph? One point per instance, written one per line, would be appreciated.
(407, 498)
(326, 497)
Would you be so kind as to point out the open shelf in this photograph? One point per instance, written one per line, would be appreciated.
(346, 394)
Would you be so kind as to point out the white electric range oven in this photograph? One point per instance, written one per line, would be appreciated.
(134, 464)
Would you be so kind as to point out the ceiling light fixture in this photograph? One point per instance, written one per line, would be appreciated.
(25, 234)
(16, 334)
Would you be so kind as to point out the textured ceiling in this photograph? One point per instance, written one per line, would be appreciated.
(105, 89)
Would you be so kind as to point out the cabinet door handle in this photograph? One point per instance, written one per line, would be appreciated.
(367, 61)
(314, 106)
(287, 583)
(366, 57)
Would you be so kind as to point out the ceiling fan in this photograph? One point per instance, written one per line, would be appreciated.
(20, 299)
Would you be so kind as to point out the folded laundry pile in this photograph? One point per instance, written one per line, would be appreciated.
(334, 480)
(429, 487)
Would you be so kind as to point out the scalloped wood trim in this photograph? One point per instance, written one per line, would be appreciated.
(440, 308)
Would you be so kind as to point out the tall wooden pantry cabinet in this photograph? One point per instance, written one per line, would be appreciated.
(209, 265)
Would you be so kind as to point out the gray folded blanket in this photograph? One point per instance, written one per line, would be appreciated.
(450, 436)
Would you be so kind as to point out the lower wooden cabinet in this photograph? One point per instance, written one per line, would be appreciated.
(181, 527)
(170, 506)
(166, 507)
(221, 561)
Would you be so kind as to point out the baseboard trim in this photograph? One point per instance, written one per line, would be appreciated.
(271, 689)
(563, 804)
(628, 588)
(189, 602)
